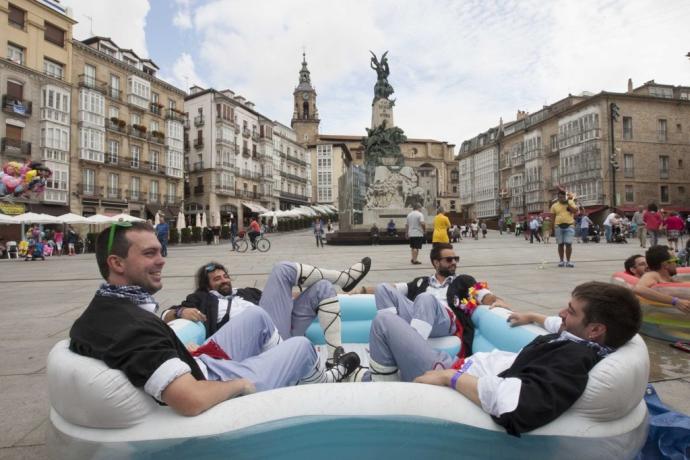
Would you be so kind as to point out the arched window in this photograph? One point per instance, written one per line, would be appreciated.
(305, 110)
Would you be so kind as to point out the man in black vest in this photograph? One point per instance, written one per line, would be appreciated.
(215, 302)
(120, 328)
(424, 303)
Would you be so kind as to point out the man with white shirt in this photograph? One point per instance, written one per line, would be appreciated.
(215, 301)
(424, 305)
(120, 328)
(610, 222)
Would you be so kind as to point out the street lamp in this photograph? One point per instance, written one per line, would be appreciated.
(615, 113)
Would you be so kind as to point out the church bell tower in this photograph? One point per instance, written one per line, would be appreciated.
(305, 117)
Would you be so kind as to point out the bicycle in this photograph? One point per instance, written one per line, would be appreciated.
(262, 243)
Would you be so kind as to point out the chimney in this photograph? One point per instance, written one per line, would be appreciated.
(521, 114)
(229, 93)
(630, 85)
(195, 89)
(249, 104)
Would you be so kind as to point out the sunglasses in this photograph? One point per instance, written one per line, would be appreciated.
(673, 260)
(450, 259)
(113, 229)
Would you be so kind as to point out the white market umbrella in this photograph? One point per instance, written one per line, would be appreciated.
(126, 217)
(71, 218)
(99, 219)
(156, 219)
(197, 222)
(203, 220)
(5, 219)
(34, 218)
(180, 221)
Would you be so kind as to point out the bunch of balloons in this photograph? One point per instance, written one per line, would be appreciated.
(18, 179)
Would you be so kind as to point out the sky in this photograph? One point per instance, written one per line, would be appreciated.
(457, 66)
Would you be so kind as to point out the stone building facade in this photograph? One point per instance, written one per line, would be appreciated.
(35, 77)
(568, 144)
(127, 134)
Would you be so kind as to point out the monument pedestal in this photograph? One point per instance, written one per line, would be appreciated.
(382, 111)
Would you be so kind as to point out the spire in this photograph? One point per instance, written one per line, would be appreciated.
(304, 79)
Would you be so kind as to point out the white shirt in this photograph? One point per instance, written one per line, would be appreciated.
(610, 219)
(239, 305)
(415, 220)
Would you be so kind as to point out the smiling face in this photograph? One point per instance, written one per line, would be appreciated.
(143, 265)
(220, 281)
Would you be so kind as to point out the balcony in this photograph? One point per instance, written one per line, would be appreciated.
(197, 166)
(198, 189)
(255, 136)
(16, 106)
(156, 109)
(114, 93)
(112, 159)
(157, 136)
(225, 190)
(51, 114)
(140, 102)
(113, 193)
(533, 154)
(199, 121)
(246, 133)
(198, 143)
(89, 190)
(247, 194)
(134, 162)
(225, 142)
(170, 199)
(175, 115)
(221, 120)
(117, 125)
(293, 196)
(138, 131)
(246, 153)
(51, 195)
(295, 160)
(154, 197)
(135, 195)
(86, 81)
(15, 147)
(226, 165)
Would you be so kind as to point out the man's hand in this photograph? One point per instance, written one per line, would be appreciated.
(520, 318)
(440, 377)
(192, 347)
(683, 305)
(500, 303)
(192, 314)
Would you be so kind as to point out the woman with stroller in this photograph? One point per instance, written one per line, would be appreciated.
(674, 226)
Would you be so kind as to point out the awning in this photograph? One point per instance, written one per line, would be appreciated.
(153, 208)
(677, 208)
(594, 208)
(626, 209)
(254, 207)
(171, 212)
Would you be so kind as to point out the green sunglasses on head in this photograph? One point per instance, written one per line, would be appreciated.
(113, 228)
(673, 260)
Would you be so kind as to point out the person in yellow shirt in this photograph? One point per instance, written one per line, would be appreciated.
(441, 226)
(564, 219)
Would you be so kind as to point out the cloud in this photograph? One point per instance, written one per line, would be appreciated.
(124, 21)
(185, 74)
(183, 16)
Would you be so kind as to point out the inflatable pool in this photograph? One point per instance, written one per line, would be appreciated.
(96, 413)
(662, 321)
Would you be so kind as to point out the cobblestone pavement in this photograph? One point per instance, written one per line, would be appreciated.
(40, 301)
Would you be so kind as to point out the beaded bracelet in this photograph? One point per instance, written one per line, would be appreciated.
(178, 312)
(454, 380)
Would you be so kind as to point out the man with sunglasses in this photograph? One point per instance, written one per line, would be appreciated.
(120, 328)
(662, 263)
(423, 304)
(215, 302)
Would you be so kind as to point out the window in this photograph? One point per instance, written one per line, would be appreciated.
(664, 194)
(680, 163)
(136, 155)
(54, 35)
(15, 53)
(16, 16)
(114, 86)
(113, 186)
(679, 127)
(135, 118)
(663, 166)
(53, 69)
(172, 104)
(172, 191)
(661, 130)
(628, 165)
(681, 190)
(153, 191)
(15, 90)
(113, 151)
(629, 194)
(89, 75)
(135, 187)
(114, 112)
(627, 128)
(89, 179)
(155, 160)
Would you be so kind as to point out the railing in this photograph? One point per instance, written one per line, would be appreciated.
(120, 126)
(246, 132)
(220, 120)
(293, 196)
(135, 195)
(89, 190)
(255, 136)
(226, 165)
(293, 176)
(114, 93)
(111, 158)
(246, 152)
(663, 174)
(114, 193)
(154, 197)
(155, 108)
(137, 132)
(225, 190)
(576, 138)
(628, 172)
(173, 114)
(157, 137)
(86, 81)
(198, 143)
(198, 166)
(49, 113)
(226, 142)
(16, 106)
(199, 120)
(533, 153)
(247, 194)
(170, 199)
(296, 160)
(14, 146)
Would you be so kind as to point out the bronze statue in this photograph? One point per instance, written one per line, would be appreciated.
(382, 89)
